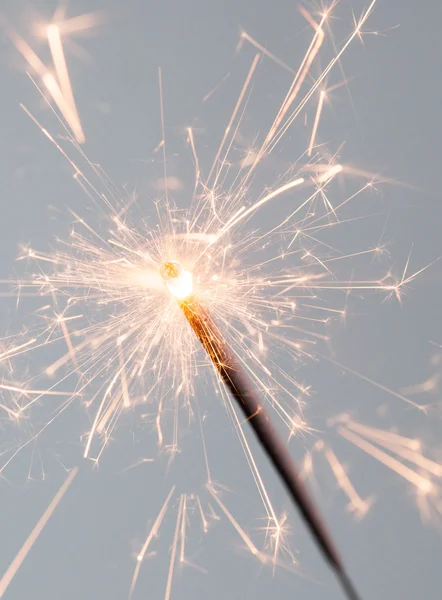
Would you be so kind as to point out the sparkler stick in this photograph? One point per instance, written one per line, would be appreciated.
(226, 363)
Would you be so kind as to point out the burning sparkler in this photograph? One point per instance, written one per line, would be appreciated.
(117, 297)
(226, 363)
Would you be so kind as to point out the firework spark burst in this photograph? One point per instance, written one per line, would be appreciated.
(121, 340)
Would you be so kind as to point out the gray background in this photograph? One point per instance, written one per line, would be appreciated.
(86, 549)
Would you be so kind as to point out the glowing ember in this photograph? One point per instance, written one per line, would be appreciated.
(179, 282)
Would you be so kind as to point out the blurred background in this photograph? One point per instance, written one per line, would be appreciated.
(384, 121)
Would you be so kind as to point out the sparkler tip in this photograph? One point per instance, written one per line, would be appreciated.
(178, 280)
(171, 269)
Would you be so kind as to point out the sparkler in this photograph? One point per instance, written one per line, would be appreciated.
(224, 360)
(121, 329)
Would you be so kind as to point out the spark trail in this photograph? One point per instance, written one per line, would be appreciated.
(33, 536)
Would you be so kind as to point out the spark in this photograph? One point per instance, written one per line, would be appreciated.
(422, 483)
(357, 505)
(67, 337)
(246, 539)
(394, 451)
(163, 141)
(61, 90)
(33, 536)
(263, 50)
(216, 88)
(373, 382)
(409, 449)
(316, 122)
(179, 519)
(151, 535)
(79, 23)
(217, 161)
(56, 47)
